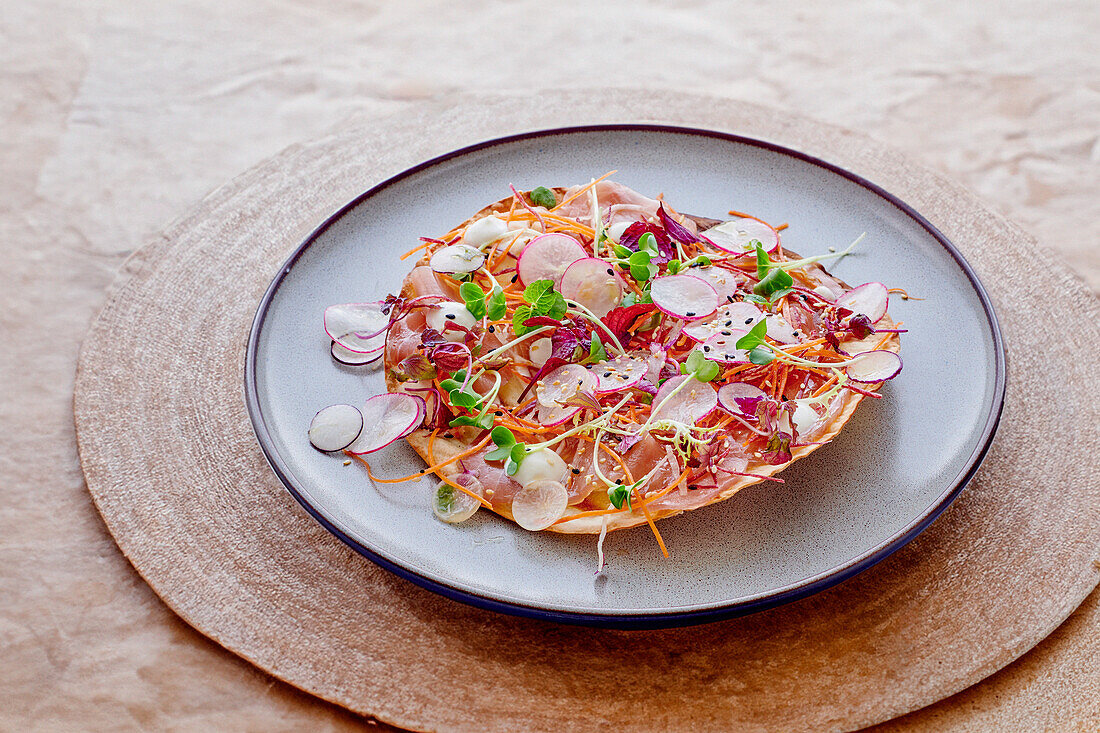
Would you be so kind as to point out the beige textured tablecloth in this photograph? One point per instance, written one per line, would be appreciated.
(117, 117)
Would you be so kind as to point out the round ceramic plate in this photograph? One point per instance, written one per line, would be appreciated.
(896, 465)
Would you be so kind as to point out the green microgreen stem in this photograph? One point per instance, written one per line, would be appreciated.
(590, 316)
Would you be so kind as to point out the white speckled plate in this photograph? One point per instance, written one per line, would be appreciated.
(897, 464)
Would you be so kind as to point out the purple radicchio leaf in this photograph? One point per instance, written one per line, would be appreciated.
(538, 321)
(418, 367)
(618, 320)
(675, 229)
(635, 231)
(860, 326)
(778, 449)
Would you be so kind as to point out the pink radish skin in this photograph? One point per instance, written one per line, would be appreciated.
(869, 299)
(723, 348)
(689, 405)
(735, 316)
(562, 383)
(358, 327)
(546, 257)
(722, 280)
(684, 296)
(622, 372)
(592, 283)
(335, 427)
(386, 418)
(736, 235)
(874, 366)
(729, 394)
(348, 357)
(556, 415)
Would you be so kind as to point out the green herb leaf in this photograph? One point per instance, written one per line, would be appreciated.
(707, 372)
(761, 355)
(510, 467)
(621, 251)
(597, 352)
(702, 261)
(462, 421)
(464, 399)
(673, 266)
(758, 299)
(543, 196)
(450, 384)
(536, 290)
(779, 294)
(628, 300)
(763, 262)
(557, 308)
(505, 440)
(754, 338)
(648, 243)
(694, 361)
(619, 494)
(519, 318)
(777, 279)
(474, 298)
(517, 453)
(495, 307)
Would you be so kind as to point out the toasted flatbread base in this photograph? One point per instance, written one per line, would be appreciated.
(444, 448)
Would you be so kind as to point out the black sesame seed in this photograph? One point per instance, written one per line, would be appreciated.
(492, 329)
(515, 277)
(748, 321)
(727, 333)
(498, 413)
(729, 298)
(706, 348)
(576, 471)
(606, 375)
(448, 435)
(610, 271)
(450, 316)
(689, 314)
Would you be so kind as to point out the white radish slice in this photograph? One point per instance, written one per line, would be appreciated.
(684, 296)
(732, 317)
(454, 506)
(804, 418)
(457, 259)
(546, 257)
(541, 465)
(335, 428)
(733, 397)
(616, 230)
(556, 415)
(722, 280)
(780, 330)
(354, 358)
(858, 346)
(386, 418)
(562, 383)
(622, 372)
(870, 299)
(874, 366)
(723, 348)
(737, 235)
(539, 504)
(592, 283)
(358, 327)
(450, 312)
(689, 405)
(483, 231)
(540, 351)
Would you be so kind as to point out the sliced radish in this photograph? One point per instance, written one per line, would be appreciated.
(354, 358)
(454, 506)
(804, 418)
(386, 418)
(457, 259)
(689, 405)
(540, 351)
(546, 257)
(563, 383)
(335, 428)
(558, 414)
(541, 465)
(358, 327)
(539, 504)
(592, 283)
(874, 366)
(733, 316)
(622, 372)
(450, 312)
(723, 347)
(616, 230)
(740, 398)
(780, 330)
(858, 346)
(870, 299)
(722, 280)
(684, 296)
(483, 231)
(737, 235)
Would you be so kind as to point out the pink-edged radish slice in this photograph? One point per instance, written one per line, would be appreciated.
(852, 347)
(740, 398)
(358, 327)
(690, 405)
(781, 331)
(731, 317)
(804, 419)
(563, 383)
(548, 417)
(457, 259)
(539, 504)
(723, 348)
(684, 296)
(348, 357)
(737, 235)
(454, 506)
(546, 257)
(335, 428)
(622, 372)
(592, 283)
(870, 299)
(484, 231)
(722, 280)
(386, 418)
(540, 351)
(874, 366)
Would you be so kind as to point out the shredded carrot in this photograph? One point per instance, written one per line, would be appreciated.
(583, 189)
(416, 249)
(613, 454)
(653, 526)
(429, 469)
(668, 489)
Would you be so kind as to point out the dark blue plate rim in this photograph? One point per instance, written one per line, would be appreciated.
(661, 619)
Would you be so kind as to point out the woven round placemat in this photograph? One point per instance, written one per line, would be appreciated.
(174, 468)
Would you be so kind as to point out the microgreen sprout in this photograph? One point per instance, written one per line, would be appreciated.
(543, 196)
(699, 366)
(461, 393)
